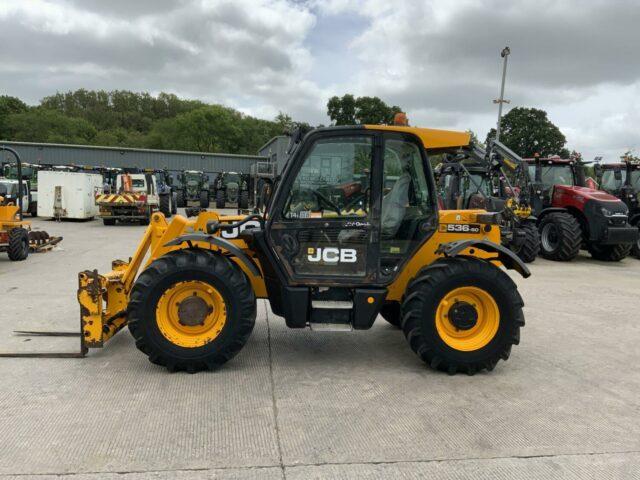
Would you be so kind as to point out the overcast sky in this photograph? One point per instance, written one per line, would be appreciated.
(438, 59)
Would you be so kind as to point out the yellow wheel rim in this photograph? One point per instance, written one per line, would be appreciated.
(467, 331)
(191, 314)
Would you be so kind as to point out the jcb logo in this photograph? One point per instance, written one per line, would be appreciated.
(332, 255)
(236, 232)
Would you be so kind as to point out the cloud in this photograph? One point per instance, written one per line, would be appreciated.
(238, 52)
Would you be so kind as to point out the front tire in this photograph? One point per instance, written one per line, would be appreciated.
(560, 237)
(530, 249)
(180, 199)
(165, 205)
(635, 248)
(462, 315)
(220, 199)
(609, 253)
(243, 200)
(197, 338)
(204, 199)
(109, 221)
(18, 248)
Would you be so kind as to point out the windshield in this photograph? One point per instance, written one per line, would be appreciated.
(12, 188)
(556, 174)
(609, 181)
(233, 178)
(635, 179)
(477, 183)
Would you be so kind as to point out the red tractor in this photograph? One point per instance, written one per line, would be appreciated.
(572, 216)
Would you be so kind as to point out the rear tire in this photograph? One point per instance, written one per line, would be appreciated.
(560, 237)
(165, 205)
(530, 249)
(18, 248)
(391, 313)
(610, 253)
(200, 266)
(204, 199)
(426, 315)
(109, 221)
(220, 199)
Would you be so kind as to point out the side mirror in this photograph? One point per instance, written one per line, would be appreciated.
(617, 174)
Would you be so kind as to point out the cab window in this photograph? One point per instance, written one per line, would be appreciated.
(333, 181)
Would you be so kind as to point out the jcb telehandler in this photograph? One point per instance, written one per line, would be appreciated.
(323, 261)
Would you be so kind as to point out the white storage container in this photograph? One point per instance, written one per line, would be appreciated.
(68, 194)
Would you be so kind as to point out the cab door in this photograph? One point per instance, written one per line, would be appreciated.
(323, 221)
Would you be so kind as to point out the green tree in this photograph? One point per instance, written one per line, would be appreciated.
(40, 125)
(348, 110)
(528, 131)
(9, 106)
(342, 110)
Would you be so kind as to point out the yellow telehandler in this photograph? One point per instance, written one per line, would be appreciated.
(352, 230)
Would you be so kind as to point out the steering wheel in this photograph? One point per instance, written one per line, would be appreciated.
(326, 201)
(362, 195)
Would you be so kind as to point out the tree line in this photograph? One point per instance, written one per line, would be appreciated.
(123, 118)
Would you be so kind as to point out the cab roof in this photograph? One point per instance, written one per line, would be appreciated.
(432, 139)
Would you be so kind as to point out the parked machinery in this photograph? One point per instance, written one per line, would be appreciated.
(193, 188)
(623, 181)
(136, 199)
(231, 187)
(320, 262)
(468, 181)
(570, 215)
(16, 236)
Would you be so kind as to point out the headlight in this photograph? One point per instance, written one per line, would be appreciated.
(606, 212)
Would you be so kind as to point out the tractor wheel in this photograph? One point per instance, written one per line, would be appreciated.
(165, 205)
(529, 250)
(180, 199)
(204, 199)
(391, 313)
(609, 253)
(635, 248)
(191, 310)
(18, 248)
(220, 199)
(174, 203)
(146, 220)
(462, 315)
(109, 221)
(243, 200)
(560, 237)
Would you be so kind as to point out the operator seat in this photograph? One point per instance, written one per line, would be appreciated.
(394, 206)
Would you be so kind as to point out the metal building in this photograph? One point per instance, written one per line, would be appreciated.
(60, 154)
(275, 150)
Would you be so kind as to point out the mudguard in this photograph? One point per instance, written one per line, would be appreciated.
(218, 242)
(505, 256)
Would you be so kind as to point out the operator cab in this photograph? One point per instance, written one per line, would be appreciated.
(353, 207)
